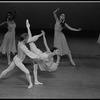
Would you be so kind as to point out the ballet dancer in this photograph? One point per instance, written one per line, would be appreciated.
(9, 45)
(18, 59)
(47, 63)
(59, 39)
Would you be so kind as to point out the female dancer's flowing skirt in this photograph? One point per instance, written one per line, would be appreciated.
(8, 45)
(61, 43)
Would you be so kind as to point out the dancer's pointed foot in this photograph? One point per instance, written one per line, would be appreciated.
(30, 86)
(72, 62)
(37, 83)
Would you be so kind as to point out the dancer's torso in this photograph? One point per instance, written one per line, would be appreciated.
(11, 27)
(21, 54)
(58, 27)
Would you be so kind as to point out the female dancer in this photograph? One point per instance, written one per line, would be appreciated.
(18, 59)
(47, 63)
(59, 39)
(8, 45)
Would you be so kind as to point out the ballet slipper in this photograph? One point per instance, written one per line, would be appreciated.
(72, 62)
(30, 86)
(37, 82)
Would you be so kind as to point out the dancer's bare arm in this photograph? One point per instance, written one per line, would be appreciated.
(3, 23)
(72, 29)
(55, 14)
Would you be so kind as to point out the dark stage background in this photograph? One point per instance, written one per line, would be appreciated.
(85, 15)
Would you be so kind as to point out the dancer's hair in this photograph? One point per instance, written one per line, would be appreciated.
(23, 36)
(12, 14)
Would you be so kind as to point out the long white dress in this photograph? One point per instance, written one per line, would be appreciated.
(60, 40)
(8, 44)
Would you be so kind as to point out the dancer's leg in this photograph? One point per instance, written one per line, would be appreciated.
(11, 66)
(35, 67)
(26, 71)
(71, 60)
(8, 57)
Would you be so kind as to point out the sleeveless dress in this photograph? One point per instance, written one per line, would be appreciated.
(60, 41)
(8, 44)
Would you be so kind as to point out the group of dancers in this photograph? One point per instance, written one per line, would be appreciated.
(43, 60)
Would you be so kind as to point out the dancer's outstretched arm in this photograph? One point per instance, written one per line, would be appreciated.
(3, 23)
(45, 41)
(72, 29)
(34, 38)
(55, 15)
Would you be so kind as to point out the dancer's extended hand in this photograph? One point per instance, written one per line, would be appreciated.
(43, 33)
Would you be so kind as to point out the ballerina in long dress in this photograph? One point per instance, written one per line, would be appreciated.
(59, 38)
(9, 44)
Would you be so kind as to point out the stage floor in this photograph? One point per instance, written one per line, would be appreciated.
(81, 81)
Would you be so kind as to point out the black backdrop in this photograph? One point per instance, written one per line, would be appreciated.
(85, 15)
